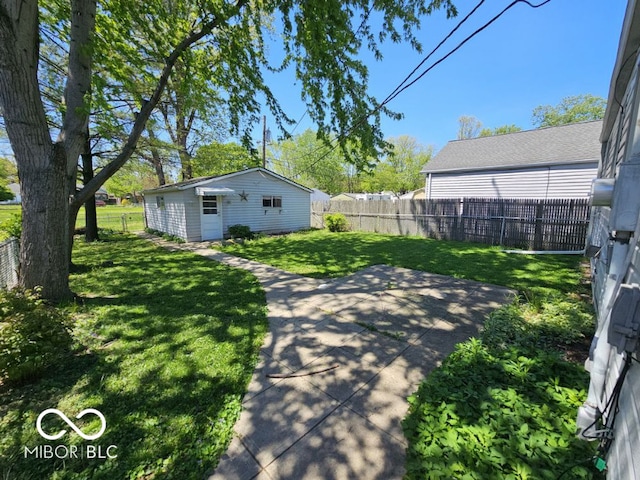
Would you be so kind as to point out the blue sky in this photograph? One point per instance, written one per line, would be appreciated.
(528, 57)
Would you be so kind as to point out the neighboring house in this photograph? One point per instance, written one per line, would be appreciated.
(204, 208)
(319, 196)
(552, 162)
(418, 194)
(364, 196)
(614, 390)
(344, 196)
(15, 189)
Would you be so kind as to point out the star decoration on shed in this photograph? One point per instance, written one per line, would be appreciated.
(244, 196)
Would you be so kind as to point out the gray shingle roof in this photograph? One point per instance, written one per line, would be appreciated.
(573, 143)
(196, 182)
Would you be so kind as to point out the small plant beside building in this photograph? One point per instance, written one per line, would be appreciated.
(240, 231)
(336, 222)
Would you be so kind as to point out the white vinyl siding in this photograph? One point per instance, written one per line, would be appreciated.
(623, 461)
(543, 183)
(293, 214)
(169, 217)
(242, 203)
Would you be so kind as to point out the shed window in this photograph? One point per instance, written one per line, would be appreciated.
(159, 201)
(210, 205)
(272, 202)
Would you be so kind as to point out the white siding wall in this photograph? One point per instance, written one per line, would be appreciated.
(295, 213)
(548, 182)
(171, 218)
(623, 460)
(193, 232)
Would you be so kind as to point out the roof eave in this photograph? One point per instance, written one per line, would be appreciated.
(623, 68)
(510, 167)
(207, 180)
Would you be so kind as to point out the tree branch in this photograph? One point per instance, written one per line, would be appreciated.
(148, 107)
(78, 86)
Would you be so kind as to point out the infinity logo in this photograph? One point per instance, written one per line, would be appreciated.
(71, 424)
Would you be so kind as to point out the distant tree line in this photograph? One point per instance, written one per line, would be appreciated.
(572, 109)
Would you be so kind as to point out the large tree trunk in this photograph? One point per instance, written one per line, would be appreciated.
(44, 244)
(156, 158)
(47, 170)
(91, 217)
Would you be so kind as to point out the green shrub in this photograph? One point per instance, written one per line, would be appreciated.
(171, 238)
(33, 335)
(336, 222)
(240, 231)
(11, 227)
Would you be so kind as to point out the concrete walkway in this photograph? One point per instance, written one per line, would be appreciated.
(351, 351)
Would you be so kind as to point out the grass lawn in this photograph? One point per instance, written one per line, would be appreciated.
(109, 217)
(322, 254)
(166, 345)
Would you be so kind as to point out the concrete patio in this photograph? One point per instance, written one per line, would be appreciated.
(328, 396)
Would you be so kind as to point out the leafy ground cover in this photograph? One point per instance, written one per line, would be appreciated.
(322, 254)
(504, 406)
(165, 344)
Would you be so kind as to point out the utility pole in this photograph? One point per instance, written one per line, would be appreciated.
(266, 138)
(264, 141)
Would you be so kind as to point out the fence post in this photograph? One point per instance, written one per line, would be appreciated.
(537, 237)
(460, 233)
(124, 222)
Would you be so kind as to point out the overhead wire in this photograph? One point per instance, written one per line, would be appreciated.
(404, 86)
(389, 97)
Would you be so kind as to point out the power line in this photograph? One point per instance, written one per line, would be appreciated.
(402, 87)
(449, 35)
(486, 25)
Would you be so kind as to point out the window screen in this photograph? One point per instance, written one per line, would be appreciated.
(210, 205)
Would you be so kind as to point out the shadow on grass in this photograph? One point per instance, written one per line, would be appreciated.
(170, 341)
(322, 254)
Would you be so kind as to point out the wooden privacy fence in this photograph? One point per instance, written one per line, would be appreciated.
(556, 224)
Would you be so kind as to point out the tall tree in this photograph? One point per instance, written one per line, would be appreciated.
(306, 159)
(321, 40)
(399, 172)
(192, 107)
(577, 108)
(135, 176)
(489, 132)
(468, 127)
(220, 158)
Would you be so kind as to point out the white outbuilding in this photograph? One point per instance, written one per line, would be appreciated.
(204, 208)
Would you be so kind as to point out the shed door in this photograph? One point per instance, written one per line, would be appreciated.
(210, 217)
